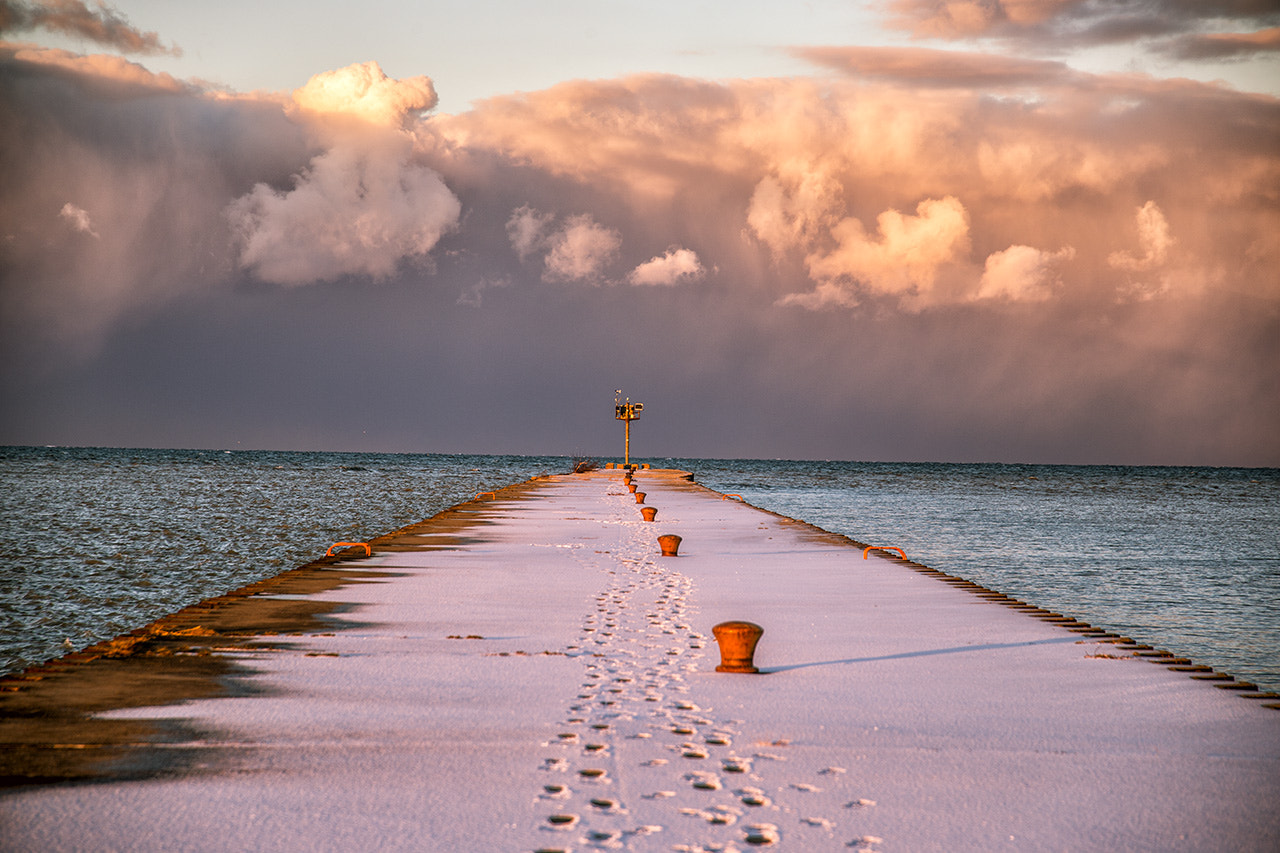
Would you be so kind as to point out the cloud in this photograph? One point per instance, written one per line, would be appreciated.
(349, 213)
(79, 219)
(1057, 24)
(918, 66)
(100, 67)
(580, 250)
(105, 26)
(1218, 46)
(1021, 274)
(365, 92)
(674, 267)
(577, 249)
(1154, 240)
(527, 230)
(973, 255)
(363, 206)
(902, 260)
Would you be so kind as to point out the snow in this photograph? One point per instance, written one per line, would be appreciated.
(893, 712)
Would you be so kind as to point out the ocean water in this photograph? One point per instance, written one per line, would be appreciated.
(95, 542)
(1185, 559)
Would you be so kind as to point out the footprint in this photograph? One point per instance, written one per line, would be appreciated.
(563, 821)
(806, 787)
(821, 822)
(762, 834)
(861, 803)
(608, 838)
(753, 797)
(556, 792)
(703, 781)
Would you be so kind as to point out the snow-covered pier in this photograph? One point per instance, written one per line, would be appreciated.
(528, 672)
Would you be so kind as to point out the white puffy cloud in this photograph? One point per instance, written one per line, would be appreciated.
(1154, 239)
(362, 206)
(674, 267)
(1021, 274)
(363, 91)
(581, 250)
(351, 212)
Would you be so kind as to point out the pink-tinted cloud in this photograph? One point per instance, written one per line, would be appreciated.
(350, 213)
(580, 251)
(937, 68)
(365, 92)
(105, 25)
(527, 229)
(904, 258)
(79, 219)
(1022, 274)
(1008, 260)
(1223, 45)
(99, 67)
(676, 266)
(1154, 241)
(363, 206)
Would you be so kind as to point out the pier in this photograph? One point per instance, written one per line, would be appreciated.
(528, 672)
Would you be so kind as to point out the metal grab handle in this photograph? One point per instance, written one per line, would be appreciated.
(901, 553)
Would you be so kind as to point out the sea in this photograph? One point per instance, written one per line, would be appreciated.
(95, 542)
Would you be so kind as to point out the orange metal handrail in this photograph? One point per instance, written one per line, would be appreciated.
(739, 497)
(901, 553)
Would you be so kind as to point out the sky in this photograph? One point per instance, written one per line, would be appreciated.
(914, 230)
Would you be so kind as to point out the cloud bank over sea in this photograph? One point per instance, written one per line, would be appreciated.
(910, 253)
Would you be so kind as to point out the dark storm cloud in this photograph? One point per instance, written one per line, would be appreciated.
(1182, 27)
(1223, 46)
(103, 25)
(1074, 268)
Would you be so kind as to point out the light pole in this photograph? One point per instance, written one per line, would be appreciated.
(627, 412)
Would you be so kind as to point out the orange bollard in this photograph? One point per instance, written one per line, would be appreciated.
(737, 645)
(639, 497)
(649, 513)
(670, 544)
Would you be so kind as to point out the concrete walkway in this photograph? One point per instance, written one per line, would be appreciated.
(526, 673)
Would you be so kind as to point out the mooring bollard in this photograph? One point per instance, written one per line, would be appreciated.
(631, 487)
(737, 645)
(649, 513)
(639, 497)
(670, 544)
